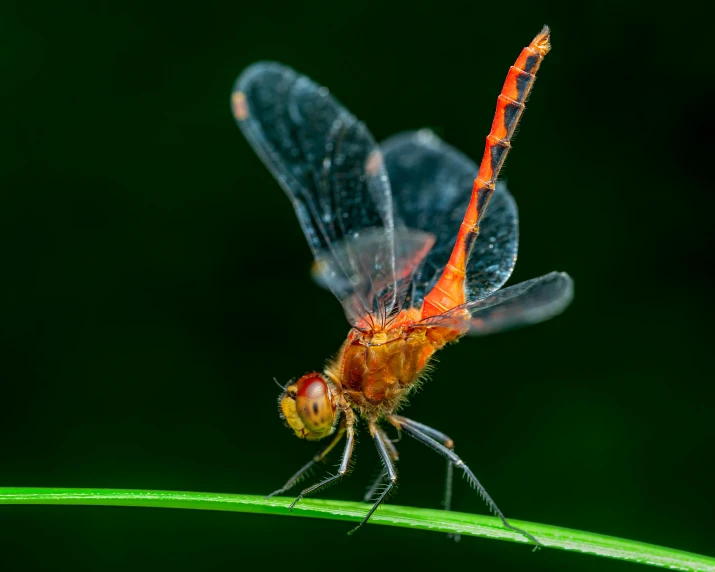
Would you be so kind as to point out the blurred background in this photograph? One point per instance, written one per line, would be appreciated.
(155, 279)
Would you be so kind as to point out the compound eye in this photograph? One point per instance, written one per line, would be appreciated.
(314, 404)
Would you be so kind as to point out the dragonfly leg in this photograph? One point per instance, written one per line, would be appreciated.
(394, 455)
(344, 463)
(449, 477)
(303, 471)
(426, 436)
(372, 489)
(386, 456)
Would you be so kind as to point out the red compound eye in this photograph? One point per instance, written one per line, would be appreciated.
(314, 404)
(312, 386)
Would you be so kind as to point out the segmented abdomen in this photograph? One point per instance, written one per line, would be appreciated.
(449, 290)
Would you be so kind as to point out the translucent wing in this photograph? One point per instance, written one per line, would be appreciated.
(431, 186)
(332, 171)
(526, 303)
(411, 246)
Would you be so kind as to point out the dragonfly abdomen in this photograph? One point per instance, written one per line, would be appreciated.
(449, 291)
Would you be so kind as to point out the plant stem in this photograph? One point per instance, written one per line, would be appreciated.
(391, 515)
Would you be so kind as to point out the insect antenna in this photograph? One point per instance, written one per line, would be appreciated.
(283, 387)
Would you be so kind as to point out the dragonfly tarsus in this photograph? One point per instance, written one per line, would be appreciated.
(386, 455)
(394, 455)
(416, 430)
(372, 489)
(300, 473)
(449, 477)
(303, 471)
(447, 502)
(342, 470)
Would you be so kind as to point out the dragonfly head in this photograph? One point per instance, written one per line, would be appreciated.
(308, 407)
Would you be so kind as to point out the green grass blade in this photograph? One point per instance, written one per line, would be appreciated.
(391, 515)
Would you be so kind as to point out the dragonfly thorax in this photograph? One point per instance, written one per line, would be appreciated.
(376, 369)
(373, 373)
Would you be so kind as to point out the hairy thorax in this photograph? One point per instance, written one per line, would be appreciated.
(376, 367)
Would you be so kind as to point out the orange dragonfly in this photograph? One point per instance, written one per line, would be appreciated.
(383, 223)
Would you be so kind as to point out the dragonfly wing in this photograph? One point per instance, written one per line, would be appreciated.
(332, 171)
(432, 185)
(366, 251)
(529, 302)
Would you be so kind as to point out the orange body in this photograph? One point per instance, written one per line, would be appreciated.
(375, 369)
(389, 349)
(380, 362)
(449, 291)
(371, 269)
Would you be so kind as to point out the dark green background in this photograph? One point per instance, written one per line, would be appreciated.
(154, 278)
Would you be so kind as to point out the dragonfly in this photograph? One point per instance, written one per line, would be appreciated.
(401, 235)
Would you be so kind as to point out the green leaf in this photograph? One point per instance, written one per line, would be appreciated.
(391, 515)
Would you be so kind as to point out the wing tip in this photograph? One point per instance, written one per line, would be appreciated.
(243, 85)
(568, 292)
(261, 67)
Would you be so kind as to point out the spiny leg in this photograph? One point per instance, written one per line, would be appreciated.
(298, 476)
(394, 455)
(372, 489)
(385, 456)
(447, 442)
(416, 430)
(447, 502)
(344, 463)
(449, 477)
